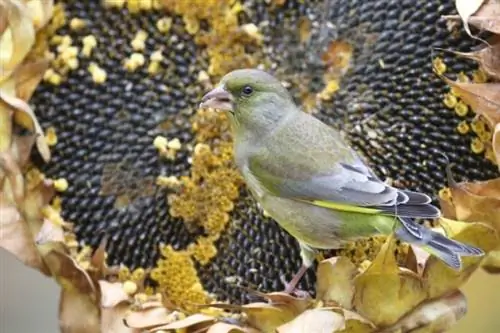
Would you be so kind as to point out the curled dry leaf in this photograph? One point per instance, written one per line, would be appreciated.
(416, 259)
(16, 238)
(15, 185)
(78, 313)
(466, 8)
(69, 274)
(18, 37)
(195, 322)
(496, 144)
(441, 279)
(433, 317)
(112, 294)
(27, 77)
(477, 201)
(21, 149)
(150, 317)
(289, 302)
(40, 12)
(384, 292)
(492, 262)
(112, 320)
(26, 117)
(487, 17)
(488, 58)
(335, 281)
(314, 321)
(49, 232)
(484, 98)
(229, 328)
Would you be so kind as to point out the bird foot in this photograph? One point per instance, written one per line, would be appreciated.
(291, 288)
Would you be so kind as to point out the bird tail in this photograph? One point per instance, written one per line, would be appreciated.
(448, 250)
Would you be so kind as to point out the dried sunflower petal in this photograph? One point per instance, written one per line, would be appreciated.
(384, 292)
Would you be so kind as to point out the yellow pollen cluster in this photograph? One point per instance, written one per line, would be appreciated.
(225, 38)
(177, 278)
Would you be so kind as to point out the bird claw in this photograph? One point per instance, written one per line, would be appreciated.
(291, 288)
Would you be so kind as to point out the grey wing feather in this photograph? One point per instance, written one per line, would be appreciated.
(318, 165)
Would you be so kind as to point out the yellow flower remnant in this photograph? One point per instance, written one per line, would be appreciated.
(99, 75)
(170, 182)
(327, 93)
(445, 194)
(130, 287)
(225, 39)
(450, 100)
(479, 76)
(166, 148)
(134, 61)
(367, 249)
(203, 250)
(89, 43)
(177, 278)
(439, 65)
(114, 3)
(164, 24)
(463, 127)
(77, 24)
(139, 41)
(50, 136)
(61, 184)
(477, 146)
(461, 109)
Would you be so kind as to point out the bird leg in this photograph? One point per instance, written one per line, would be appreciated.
(291, 286)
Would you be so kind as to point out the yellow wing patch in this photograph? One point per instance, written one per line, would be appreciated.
(344, 207)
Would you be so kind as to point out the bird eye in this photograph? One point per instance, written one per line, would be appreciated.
(247, 90)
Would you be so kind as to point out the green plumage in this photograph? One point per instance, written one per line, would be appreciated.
(310, 181)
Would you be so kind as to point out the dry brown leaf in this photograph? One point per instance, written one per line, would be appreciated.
(314, 321)
(112, 320)
(25, 116)
(289, 302)
(40, 12)
(440, 278)
(112, 294)
(335, 281)
(18, 37)
(496, 144)
(78, 313)
(466, 8)
(150, 317)
(384, 292)
(483, 98)
(21, 149)
(487, 17)
(6, 114)
(34, 200)
(69, 274)
(354, 323)
(195, 322)
(492, 262)
(488, 58)
(16, 238)
(433, 317)
(98, 259)
(15, 185)
(416, 259)
(477, 201)
(27, 77)
(49, 232)
(229, 328)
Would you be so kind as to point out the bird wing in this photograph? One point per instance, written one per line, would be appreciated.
(319, 167)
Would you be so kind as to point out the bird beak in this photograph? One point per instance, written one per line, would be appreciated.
(217, 98)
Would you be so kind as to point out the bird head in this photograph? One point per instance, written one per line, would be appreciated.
(254, 99)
